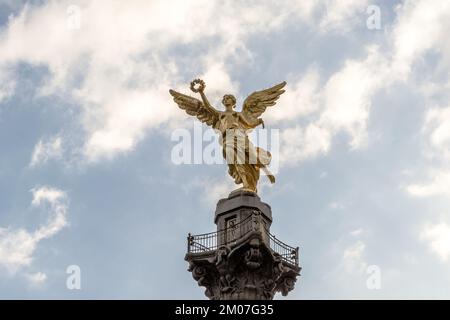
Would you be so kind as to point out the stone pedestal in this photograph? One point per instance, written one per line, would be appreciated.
(242, 260)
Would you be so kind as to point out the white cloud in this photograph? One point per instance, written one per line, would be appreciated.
(438, 185)
(36, 279)
(218, 82)
(17, 246)
(421, 26)
(340, 15)
(300, 99)
(437, 148)
(355, 251)
(357, 232)
(346, 99)
(337, 205)
(212, 189)
(116, 66)
(438, 237)
(46, 150)
(348, 95)
(342, 105)
(353, 258)
(7, 84)
(437, 126)
(298, 144)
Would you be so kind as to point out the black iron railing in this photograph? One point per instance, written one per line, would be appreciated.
(207, 242)
(288, 254)
(211, 241)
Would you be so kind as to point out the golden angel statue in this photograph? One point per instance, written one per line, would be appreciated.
(244, 159)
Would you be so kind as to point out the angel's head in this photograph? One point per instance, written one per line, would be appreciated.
(229, 101)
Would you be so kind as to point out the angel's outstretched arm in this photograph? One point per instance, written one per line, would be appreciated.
(206, 102)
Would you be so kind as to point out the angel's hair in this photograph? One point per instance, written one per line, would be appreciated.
(229, 96)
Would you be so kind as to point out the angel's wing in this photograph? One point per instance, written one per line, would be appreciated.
(195, 107)
(256, 103)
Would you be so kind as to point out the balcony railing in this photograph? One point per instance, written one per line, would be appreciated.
(208, 242)
(211, 241)
(287, 253)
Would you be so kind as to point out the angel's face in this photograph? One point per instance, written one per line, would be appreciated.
(229, 101)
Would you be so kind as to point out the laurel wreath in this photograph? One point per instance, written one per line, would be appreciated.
(201, 85)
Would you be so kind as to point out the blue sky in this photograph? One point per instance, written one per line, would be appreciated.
(86, 175)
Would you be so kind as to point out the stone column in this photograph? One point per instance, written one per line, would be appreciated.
(242, 260)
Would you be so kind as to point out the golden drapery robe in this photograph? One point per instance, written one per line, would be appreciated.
(243, 158)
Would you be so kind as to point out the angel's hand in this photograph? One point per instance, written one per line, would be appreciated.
(200, 85)
(261, 121)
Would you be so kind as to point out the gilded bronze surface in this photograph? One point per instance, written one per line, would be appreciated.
(244, 159)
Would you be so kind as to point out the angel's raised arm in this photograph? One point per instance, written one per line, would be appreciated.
(200, 89)
(206, 102)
